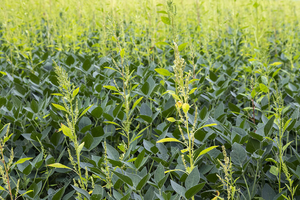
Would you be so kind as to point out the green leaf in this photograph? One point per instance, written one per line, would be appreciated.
(22, 160)
(276, 63)
(67, 131)
(75, 92)
(263, 88)
(194, 190)
(114, 123)
(274, 170)
(276, 72)
(238, 154)
(81, 191)
(143, 182)
(59, 194)
(166, 20)
(193, 90)
(59, 107)
(168, 140)
(1, 188)
(58, 165)
(139, 159)
(86, 65)
(136, 103)
(286, 124)
(182, 46)
(124, 178)
(171, 119)
(178, 188)
(161, 43)
(192, 179)
(57, 94)
(111, 87)
(34, 106)
(163, 72)
(122, 53)
(85, 110)
(208, 125)
(206, 151)
(80, 147)
(269, 125)
(185, 107)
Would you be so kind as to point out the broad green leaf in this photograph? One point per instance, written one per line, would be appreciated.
(75, 92)
(274, 170)
(194, 190)
(1, 188)
(58, 165)
(59, 193)
(269, 125)
(185, 107)
(139, 159)
(238, 154)
(143, 182)
(67, 131)
(263, 88)
(163, 72)
(206, 151)
(166, 20)
(85, 110)
(124, 178)
(182, 46)
(178, 188)
(161, 43)
(59, 107)
(83, 192)
(22, 160)
(192, 179)
(111, 87)
(4, 73)
(162, 11)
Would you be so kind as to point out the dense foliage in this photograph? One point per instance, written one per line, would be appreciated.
(143, 99)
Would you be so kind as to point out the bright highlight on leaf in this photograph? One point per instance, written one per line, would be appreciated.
(59, 107)
(168, 140)
(67, 131)
(163, 72)
(185, 107)
(206, 150)
(58, 165)
(22, 160)
(171, 119)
